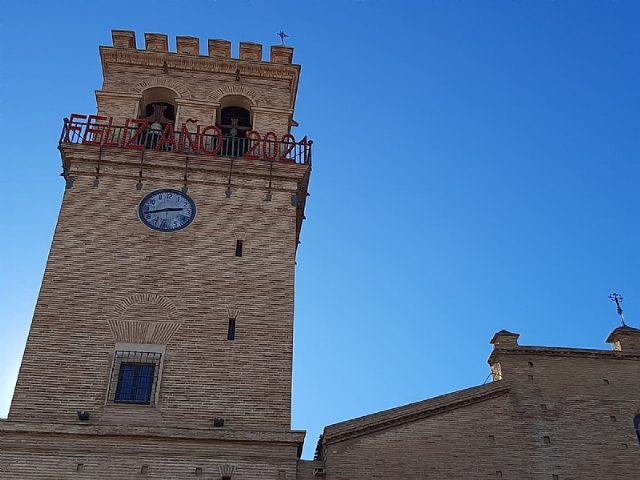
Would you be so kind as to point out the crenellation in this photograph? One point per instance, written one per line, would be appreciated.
(123, 39)
(188, 45)
(219, 48)
(216, 48)
(157, 42)
(250, 51)
(281, 54)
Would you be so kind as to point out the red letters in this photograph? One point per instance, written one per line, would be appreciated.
(289, 142)
(136, 135)
(133, 142)
(208, 140)
(107, 142)
(185, 137)
(167, 137)
(94, 132)
(254, 145)
(270, 146)
(73, 128)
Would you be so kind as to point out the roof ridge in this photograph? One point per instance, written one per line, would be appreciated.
(412, 411)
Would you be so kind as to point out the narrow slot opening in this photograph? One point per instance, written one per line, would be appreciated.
(238, 248)
(231, 332)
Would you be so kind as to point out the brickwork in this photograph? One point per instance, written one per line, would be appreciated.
(102, 253)
(112, 282)
(103, 454)
(557, 413)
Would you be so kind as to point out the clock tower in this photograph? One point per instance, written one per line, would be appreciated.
(162, 339)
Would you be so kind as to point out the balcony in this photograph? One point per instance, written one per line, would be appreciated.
(209, 140)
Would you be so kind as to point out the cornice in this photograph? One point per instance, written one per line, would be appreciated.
(126, 162)
(197, 63)
(412, 412)
(563, 352)
(191, 63)
(169, 433)
(286, 111)
(133, 96)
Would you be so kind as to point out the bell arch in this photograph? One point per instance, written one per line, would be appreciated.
(158, 104)
(235, 106)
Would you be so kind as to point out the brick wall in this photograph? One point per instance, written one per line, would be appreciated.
(564, 414)
(102, 254)
(103, 456)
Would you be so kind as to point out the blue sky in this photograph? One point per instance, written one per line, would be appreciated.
(475, 168)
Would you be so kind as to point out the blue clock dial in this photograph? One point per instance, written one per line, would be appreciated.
(167, 210)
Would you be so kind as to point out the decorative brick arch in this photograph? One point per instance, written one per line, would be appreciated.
(178, 87)
(144, 318)
(252, 95)
(146, 299)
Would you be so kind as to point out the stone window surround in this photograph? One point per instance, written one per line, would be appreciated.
(115, 370)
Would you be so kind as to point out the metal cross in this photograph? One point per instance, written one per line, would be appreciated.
(617, 298)
(282, 36)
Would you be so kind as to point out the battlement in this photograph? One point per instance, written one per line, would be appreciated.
(158, 42)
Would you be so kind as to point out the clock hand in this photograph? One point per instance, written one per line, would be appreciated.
(168, 209)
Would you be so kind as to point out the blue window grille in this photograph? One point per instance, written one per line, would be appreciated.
(134, 377)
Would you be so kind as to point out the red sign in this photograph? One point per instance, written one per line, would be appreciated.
(138, 134)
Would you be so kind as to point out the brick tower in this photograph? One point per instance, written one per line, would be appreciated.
(161, 343)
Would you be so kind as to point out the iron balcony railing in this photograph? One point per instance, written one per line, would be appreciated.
(208, 141)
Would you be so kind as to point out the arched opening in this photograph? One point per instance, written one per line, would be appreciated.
(158, 108)
(636, 424)
(234, 120)
(161, 112)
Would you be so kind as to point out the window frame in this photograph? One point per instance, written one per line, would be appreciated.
(132, 353)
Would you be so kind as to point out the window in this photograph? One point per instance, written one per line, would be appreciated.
(135, 374)
(231, 332)
(158, 107)
(135, 381)
(234, 123)
(159, 115)
(636, 424)
(239, 248)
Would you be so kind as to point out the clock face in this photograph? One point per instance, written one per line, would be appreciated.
(167, 210)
